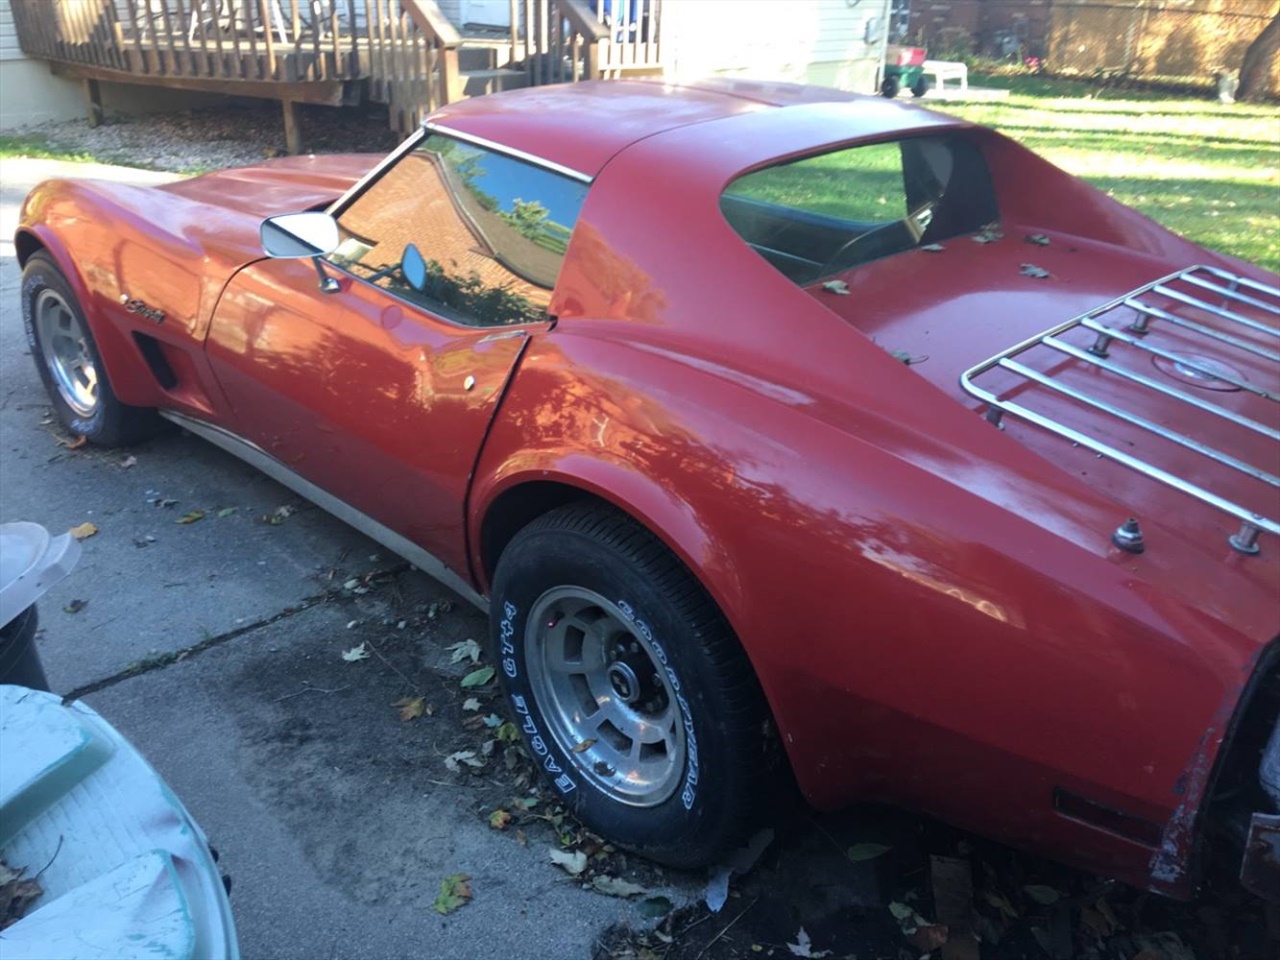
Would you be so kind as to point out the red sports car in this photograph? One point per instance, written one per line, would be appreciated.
(778, 429)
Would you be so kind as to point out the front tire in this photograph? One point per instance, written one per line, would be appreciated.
(890, 87)
(632, 692)
(70, 366)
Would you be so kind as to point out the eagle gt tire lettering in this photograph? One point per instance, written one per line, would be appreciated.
(630, 689)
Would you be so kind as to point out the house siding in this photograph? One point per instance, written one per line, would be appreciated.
(29, 93)
(9, 49)
(806, 41)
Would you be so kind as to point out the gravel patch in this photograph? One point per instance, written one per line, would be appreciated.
(214, 138)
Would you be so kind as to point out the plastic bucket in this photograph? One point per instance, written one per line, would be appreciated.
(19, 658)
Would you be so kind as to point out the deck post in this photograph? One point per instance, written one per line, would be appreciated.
(93, 99)
(292, 127)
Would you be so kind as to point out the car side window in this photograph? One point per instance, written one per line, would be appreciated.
(491, 229)
(825, 213)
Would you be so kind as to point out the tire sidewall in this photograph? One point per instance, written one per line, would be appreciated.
(548, 559)
(39, 275)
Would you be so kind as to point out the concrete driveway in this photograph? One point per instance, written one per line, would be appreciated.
(215, 646)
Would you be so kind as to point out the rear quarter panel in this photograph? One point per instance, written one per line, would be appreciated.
(936, 615)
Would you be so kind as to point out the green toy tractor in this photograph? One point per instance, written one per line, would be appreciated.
(904, 67)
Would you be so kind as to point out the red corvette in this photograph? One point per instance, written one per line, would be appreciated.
(775, 427)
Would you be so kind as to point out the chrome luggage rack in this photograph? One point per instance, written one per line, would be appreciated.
(1180, 300)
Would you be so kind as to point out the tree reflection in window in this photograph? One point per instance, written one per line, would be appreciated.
(493, 231)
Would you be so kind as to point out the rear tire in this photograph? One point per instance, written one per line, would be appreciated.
(70, 366)
(920, 87)
(890, 87)
(633, 695)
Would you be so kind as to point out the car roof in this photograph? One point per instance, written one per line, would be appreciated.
(580, 126)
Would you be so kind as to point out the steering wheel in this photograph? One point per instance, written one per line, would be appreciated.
(914, 224)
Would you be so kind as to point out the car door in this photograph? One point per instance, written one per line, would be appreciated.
(379, 387)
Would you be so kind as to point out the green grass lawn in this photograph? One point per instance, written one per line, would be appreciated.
(1208, 170)
(34, 145)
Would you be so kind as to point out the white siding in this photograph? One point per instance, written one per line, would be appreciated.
(814, 41)
(9, 49)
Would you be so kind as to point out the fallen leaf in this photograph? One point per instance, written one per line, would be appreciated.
(462, 650)
(83, 531)
(838, 287)
(803, 947)
(129, 461)
(653, 907)
(928, 938)
(355, 653)
(1094, 921)
(227, 511)
(524, 803)
(478, 678)
(16, 895)
(521, 838)
(471, 703)
(278, 516)
(573, 862)
(500, 819)
(191, 517)
(585, 745)
(1045, 896)
(455, 891)
(1039, 239)
(617, 887)
(867, 851)
(1001, 903)
(492, 721)
(75, 444)
(462, 756)
(411, 707)
(75, 606)
(933, 247)
(508, 732)
(1031, 270)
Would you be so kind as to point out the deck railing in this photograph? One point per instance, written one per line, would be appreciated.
(394, 43)
(406, 51)
(562, 41)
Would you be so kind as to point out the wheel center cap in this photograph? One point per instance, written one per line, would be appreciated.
(624, 681)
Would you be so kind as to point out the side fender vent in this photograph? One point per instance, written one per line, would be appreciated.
(157, 362)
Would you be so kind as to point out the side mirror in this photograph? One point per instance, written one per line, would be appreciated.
(295, 235)
(414, 268)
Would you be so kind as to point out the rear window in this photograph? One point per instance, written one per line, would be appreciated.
(824, 214)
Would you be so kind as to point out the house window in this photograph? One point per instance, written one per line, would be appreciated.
(824, 214)
(491, 229)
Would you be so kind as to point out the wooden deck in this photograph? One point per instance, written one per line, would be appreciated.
(403, 53)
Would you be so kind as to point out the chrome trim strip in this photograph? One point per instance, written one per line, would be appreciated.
(1172, 435)
(358, 187)
(1167, 390)
(1141, 466)
(1157, 314)
(507, 151)
(255, 456)
(1233, 292)
(1155, 307)
(1220, 311)
(1182, 361)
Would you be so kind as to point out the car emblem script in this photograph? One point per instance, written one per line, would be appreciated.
(141, 309)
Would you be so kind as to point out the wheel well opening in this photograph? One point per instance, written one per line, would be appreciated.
(517, 508)
(25, 245)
